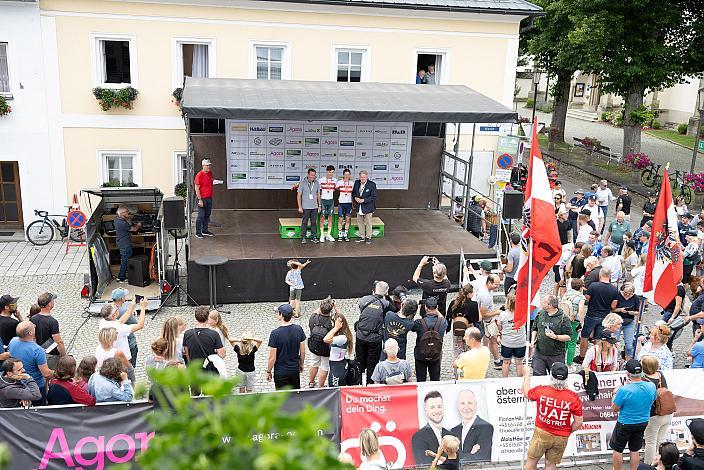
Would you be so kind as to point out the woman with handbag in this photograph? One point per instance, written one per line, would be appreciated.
(463, 313)
(658, 424)
(341, 350)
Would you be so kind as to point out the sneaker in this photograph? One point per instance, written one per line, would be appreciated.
(330, 237)
(359, 240)
(497, 364)
(578, 359)
(315, 240)
(303, 241)
(339, 237)
(369, 241)
(209, 234)
(199, 235)
(322, 239)
(121, 281)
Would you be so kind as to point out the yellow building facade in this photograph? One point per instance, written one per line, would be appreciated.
(151, 45)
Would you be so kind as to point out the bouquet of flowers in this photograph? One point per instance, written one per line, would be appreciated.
(696, 180)
(637, 160)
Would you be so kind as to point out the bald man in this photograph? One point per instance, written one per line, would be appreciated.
(474, 433)
(25, 348)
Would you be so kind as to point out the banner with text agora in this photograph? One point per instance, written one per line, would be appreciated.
(277, 154)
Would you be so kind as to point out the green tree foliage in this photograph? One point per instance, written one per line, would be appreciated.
(638, 45)
(554, 52)
(190, 433)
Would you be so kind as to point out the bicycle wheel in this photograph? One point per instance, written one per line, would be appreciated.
(646, 177)
(40, 232)
(688, 194)
(78, 235)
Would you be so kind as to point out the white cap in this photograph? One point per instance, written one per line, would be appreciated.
(205, 161)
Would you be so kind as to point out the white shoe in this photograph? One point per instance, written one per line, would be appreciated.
(322, 238)
(330, 237)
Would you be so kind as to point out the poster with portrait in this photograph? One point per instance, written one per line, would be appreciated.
(459, 409)
(277, 154)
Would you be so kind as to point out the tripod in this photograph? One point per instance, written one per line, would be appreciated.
(177, 281)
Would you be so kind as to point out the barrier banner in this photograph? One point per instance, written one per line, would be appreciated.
(75, 437)
(328, 398)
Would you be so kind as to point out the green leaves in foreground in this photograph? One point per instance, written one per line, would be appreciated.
(231, 431)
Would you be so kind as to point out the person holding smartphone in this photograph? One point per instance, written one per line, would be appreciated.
(627, 306)
(437, 287)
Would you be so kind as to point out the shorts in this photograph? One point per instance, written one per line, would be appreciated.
(507, 353)
(327, 207)
(630, 435)
(592, 324)
(248, 379)
(344, 209)
(549, 445)
(321, 362)
(295, 294)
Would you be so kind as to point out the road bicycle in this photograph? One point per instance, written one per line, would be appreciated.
(681, 187)
(650, 176)
(42, 231)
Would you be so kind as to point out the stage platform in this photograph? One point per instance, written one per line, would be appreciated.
(257, 255)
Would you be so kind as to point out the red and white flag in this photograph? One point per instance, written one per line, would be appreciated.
(540, 227)
(663, 270)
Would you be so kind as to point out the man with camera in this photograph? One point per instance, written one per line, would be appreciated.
(369, 328)
(437, 287)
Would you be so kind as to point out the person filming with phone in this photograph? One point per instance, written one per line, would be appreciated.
(437, 287)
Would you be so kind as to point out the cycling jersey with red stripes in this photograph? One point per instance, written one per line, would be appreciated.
(327, 189)
(345, 188)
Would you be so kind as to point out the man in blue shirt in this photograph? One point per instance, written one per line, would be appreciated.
(33, 357)
(632, 401)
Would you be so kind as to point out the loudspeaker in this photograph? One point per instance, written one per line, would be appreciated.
(513, 205)
(138, 271)
(174, 213)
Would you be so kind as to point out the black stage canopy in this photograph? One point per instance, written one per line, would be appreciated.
(224, 98)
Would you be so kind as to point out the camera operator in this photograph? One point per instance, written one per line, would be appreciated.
(438, 287)
(123, 239)
(369, 328)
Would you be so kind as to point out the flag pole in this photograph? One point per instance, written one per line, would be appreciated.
(638, 322)
(528, 341)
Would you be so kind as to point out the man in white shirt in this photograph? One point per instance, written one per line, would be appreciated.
(327, 202)
(604, 197)
(344, 203)
(595, 213)
(584, 229)
(109, 312)
(488, 313)
(474, 433)
(610, 260)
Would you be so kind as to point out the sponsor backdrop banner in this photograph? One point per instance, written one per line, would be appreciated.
(486, 415)
(101, 436)
(277, 154)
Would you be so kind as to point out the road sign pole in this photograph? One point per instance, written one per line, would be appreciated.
(697, 142)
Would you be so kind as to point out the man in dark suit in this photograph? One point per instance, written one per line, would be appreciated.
(474, 433)
(428, 437)
(364, 197)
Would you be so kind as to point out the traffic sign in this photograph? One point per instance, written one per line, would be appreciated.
(76, 219)
(701, 145)
(504, 161)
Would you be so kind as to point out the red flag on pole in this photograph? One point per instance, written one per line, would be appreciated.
(540, 238)
(663, 270)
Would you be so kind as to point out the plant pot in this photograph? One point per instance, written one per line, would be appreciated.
(551, 146)
(635, 176)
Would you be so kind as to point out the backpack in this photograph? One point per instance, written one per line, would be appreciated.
(370, 323)
(664, 400)
(354, 373)
(430, 341)
(316, 345)
(459, 325)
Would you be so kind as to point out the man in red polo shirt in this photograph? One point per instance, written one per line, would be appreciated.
(204, 193)
(559, 414)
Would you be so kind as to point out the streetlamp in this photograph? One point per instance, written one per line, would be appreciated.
(698, 130)
(536, 81)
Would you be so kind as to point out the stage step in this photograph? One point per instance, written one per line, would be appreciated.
(582, 115)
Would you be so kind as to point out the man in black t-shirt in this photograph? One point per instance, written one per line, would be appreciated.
(649, 208)
(601, 299)
(438, 287)
(287, 351)
(201, 341)
(8, 325)
(623, 203)
(47, 328)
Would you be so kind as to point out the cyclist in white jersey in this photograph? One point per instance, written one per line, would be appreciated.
(344, 205)
(327, 195)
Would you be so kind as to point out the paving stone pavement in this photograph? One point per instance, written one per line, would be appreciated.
(25, 259)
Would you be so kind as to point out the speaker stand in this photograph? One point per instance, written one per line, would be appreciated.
(177, 282)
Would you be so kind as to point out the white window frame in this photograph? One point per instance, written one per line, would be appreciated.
(7, 94)
(445, 69)
(285, 60)
(178, 167)
(98, 70)
(103, 164)
(177, 55)
(366, 53)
